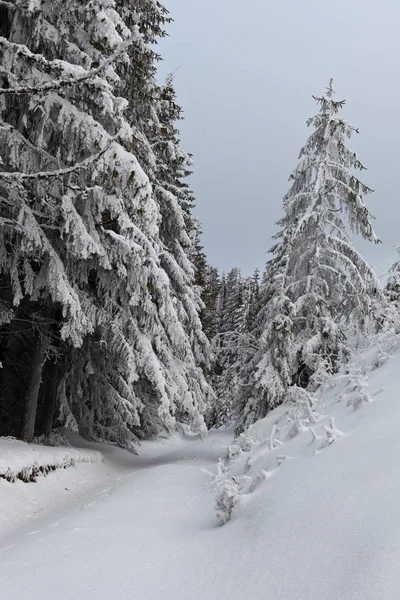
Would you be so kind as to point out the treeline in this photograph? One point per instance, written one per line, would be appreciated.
(231, 304)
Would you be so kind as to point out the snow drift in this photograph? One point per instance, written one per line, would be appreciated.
(25, 462)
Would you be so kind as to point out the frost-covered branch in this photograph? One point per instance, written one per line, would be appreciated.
(61, 83)
(15, 175)
(248, 340)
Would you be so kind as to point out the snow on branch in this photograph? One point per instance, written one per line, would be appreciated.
(235, 337)
(16, 175)
(331, 432)
(336, 105)
(349, 253)
(17, 134)
(55, 85)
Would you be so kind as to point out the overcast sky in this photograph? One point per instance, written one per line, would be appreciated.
(246, 73)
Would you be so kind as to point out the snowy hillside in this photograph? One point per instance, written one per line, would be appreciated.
(320, 521)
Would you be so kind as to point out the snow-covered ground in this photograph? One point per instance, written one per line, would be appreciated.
(322, 523)
(20, 462)
(29, 461)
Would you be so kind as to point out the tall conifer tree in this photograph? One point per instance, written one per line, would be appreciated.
(316, 284)
(82, 236)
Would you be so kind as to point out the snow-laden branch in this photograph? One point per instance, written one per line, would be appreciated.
(335, 104)
(235, 336)
(356, 258)
(55, 85)
(14, 131)
(300, 282)
(340, 275)
(17, 176)
(346, 170)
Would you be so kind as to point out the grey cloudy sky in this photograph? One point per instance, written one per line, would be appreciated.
(246, 73)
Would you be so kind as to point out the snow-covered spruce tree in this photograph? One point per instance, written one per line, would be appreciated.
(178, 227)
(208, 283)
(391, 317)
(228, 346)
(392, 288)
(251, 300)
(80, 248)
(267, 373)
(235, 311)
(392, 292)
(316, 286)
(210, 292)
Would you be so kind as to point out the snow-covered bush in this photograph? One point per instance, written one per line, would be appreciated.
(246, 442)
(54, 439)
(356, 385)
(331, 432)
(381, 358)
(301, 411)
(227, 490)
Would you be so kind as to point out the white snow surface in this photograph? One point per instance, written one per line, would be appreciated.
(17, 457)
(323, 522)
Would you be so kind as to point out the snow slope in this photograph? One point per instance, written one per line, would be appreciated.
(26, 462)
(323, 523)
(70, 475)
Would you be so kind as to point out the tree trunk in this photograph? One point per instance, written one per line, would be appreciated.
(28, 425)
(50, 397)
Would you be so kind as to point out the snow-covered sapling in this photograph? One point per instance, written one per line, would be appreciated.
(227, 490)
(302, 410)
(332, 433)
(357, 388)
